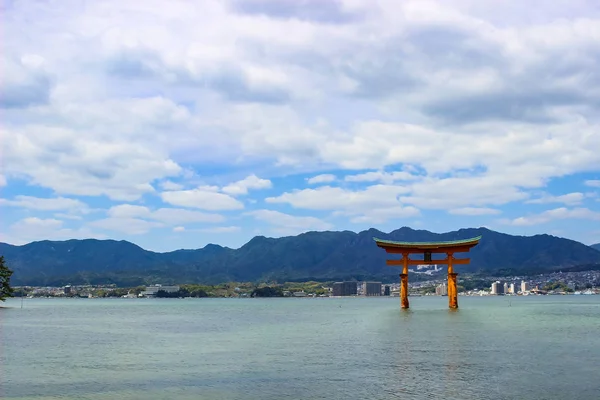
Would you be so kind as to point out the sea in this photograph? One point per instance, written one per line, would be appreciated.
(529, 347)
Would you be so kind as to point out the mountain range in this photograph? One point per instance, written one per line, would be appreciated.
(596, 246)
(308, 256)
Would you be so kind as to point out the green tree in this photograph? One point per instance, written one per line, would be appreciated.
(5, 273)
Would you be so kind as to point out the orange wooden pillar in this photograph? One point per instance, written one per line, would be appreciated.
(404, 282)
(452, 290)
(403, 290)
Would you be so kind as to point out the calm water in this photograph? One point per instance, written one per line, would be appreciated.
(544, 347)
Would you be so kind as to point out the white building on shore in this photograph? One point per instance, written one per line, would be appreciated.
(151, 291)
(497, 288)
(441, 289)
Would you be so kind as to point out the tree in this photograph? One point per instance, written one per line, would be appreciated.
(5, 273)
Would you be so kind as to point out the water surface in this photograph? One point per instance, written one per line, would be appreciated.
(535, 347)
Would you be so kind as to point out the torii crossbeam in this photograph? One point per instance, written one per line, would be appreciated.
(427, 249)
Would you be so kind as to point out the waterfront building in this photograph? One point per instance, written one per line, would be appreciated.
(386, 290)
(372, 288)
(513, 288)
(344, 289)
(497, 288)
(505, 288)
(441, 289)
(524, 286)
(151, 291)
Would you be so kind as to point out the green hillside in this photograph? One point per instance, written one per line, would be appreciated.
(312, 255)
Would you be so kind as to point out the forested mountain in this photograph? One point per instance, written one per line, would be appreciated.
(312, 255)
(596, 246)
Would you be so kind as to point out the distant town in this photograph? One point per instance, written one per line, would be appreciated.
(559, 283)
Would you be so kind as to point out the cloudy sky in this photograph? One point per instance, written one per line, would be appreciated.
(173, 124)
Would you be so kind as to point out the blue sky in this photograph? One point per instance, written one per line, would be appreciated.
(177, 124)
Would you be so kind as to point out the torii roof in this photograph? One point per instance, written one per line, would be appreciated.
(428, 245)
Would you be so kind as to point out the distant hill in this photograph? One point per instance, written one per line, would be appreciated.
(596, 246)
(312, 255)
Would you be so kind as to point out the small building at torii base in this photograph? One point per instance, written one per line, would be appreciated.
(427, 249)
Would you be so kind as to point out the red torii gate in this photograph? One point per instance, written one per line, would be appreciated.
(427, 249)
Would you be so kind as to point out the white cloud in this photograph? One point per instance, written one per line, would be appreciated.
(216, 229)
(128, 211)
(34, 222)
(208, 188)
(473, 100)
(130, 226)
(168, 185)
(289, 224)
(376, 203)
(382, 215)
(466, 191)
(31, 229)
(593, 183)
(333, 198)
(221, 229)
(201, 198)
(381, 176)
(462, 194)
(458, 168)
(180, 216)
(70, 162)
(68, 216)
(323, 178)
(474, 211)
(169, 216)
(46, 204)
(569, 199)
(555, 214)
(24, 82)
(137, 220)
(251, 182)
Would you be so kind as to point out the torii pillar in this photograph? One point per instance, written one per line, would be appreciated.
(452, 289)
(404, 282)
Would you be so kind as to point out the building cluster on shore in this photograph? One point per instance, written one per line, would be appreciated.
(499, 288)
(524, 289)
(351, 288)
(67, 290)
(92, 291)
(585, 283)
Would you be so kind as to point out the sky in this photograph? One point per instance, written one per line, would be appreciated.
(173, 124)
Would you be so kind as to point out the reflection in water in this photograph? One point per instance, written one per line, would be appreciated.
(452, 354)
(403, 352)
